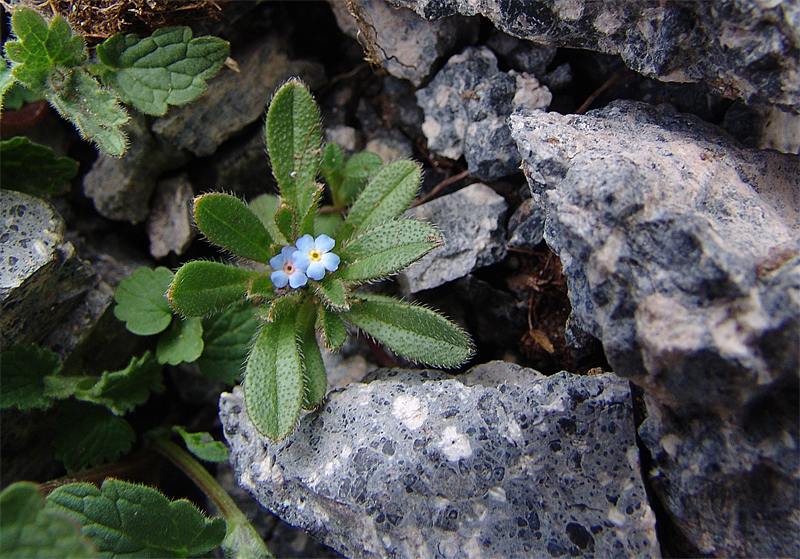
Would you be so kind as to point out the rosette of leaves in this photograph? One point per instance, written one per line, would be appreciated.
(284, 372)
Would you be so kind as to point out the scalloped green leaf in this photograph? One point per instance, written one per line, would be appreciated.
(23, 375)
(386, 196)
(386, 249)
(183, 343)
(125, 519)
(315, 380)
(141, 301)
(201, 288)
(229, 223)
(227, 337)
(6, 82)
(121, 391)
(86, 436)
(203, 445)
(31, 531)
(167, 68)
(273, 382)
(334, 331)
(414, 332)
(34, 169)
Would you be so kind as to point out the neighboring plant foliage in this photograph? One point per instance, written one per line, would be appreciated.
(317, 260)
(167, 68)
(34, 169)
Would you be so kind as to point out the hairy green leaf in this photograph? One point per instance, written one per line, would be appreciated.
(6, 83)
(357, 171)
(121, 391)
(315, 380)
(23, 371)
(183, 343)
(273, 383)
(31, 531)
(34, 169)
(229, 223)
(386, 196)
(265, 207)
(141, 301)
(386, 249)
(41, 49)
(415, 332)
(201, 288)
(227, 337)
(332, 166)
(260, 289)
(294, 143)
(94, 111)
(332, 292)
(203, 445)
(15, 96)
(327, 224)
(334, 331)
(125, 519)
(285, 222)
(87, 436)
(167, 68)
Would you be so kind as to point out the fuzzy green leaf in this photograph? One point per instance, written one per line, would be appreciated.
(294, 143)
(34, 169)
(203, 445)
(386, 196)
(260, 289)
(183, 343)
(332, 165)
(126, 520)
(227, 222)
(41, 49)
(327, 224)
(417, 333)
(23, 370)
(121, 391)
(265, 207)
(87, 436)
(141, 301)
(94, 111)
(202, 288)
(334, 331)
(15, 96)
(31, 531)
(6, 83)
(315, 380)
(167, 68)
(332, 292)
(273, 383)
(357, 171)
(227, 337)
(386, 249)
(285, 222)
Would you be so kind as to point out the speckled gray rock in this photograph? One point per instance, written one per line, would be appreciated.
(466, 107)
(472, 223)
(405, 45)
(121, 187)
(170, 223)
(41, 277)
(526, 226)
(502, 462)
(681, 254)
(523, 56)
(234, 100)
(744, 49)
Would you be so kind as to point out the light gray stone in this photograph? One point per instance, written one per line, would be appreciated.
(402, 43)
(471, 222)
(500, 462)
(234, 100)
(41, 276)
(682, 255)
(745, 49)
(170, 223)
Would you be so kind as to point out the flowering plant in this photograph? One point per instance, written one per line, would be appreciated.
(317, 260)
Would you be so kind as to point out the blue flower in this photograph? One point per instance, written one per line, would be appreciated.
(286, 270)
(313, 256)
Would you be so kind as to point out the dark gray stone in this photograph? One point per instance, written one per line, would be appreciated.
(682, 256)
(500, 462)
(466, 107)
(170, 223)
(41, 276)
(521, 55)
(746, 49)
(526, 226)
(471, 222)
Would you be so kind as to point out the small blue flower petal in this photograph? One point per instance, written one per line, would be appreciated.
(316, 271)
(297, 279)
(301, 260)
(279, 277)
(305, 243)
(330, 261)
(324, 243)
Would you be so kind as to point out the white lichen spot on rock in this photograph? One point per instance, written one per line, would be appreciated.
(410, 411)
(454, 445)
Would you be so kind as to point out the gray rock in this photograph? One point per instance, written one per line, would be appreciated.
(681, 253)
(501, 462)
(466, 107)
(526, 226)
(471, 221)
(523, 56)
(242, 166)
(406, 46)
(391, 145)
(726, 45)
(170, 224)
(121, 187)
(346, 136)
(559, 78)
(234, 100)
(41, 277)
(781, 131)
